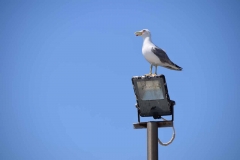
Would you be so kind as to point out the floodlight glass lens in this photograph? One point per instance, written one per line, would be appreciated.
(150, 90)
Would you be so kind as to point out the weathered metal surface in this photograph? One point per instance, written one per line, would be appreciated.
(156, 107)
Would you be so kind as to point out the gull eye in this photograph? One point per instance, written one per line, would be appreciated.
(144, 31)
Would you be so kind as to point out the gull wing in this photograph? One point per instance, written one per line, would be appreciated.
(161, 54)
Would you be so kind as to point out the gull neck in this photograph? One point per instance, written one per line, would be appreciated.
(147, 39)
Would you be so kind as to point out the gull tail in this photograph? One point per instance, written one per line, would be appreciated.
(173, 66)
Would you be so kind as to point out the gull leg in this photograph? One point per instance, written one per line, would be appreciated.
(155, 71)
(151, 69)
(149, 74)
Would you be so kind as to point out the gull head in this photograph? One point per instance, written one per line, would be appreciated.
(143, 33)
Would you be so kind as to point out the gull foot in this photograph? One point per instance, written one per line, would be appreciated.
(149, 74)
(153, 75)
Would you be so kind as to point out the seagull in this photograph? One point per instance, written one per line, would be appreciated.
(155, 55)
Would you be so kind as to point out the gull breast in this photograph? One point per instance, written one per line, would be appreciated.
(150, 56)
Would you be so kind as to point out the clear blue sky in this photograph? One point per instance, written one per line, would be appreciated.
(65, 78)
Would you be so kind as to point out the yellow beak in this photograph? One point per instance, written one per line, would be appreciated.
(139, 33)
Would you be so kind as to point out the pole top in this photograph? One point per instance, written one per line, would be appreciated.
(160, 124)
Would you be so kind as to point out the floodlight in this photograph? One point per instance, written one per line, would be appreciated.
(152, 96)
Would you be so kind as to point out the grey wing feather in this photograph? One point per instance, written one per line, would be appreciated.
(161, 54)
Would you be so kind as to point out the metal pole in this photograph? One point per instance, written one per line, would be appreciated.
(152, 141)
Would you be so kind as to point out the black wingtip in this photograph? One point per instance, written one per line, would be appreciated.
(178, 67)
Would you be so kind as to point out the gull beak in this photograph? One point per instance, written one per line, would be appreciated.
(139, 33)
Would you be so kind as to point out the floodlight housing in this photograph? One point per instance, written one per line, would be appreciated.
(152, 96)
